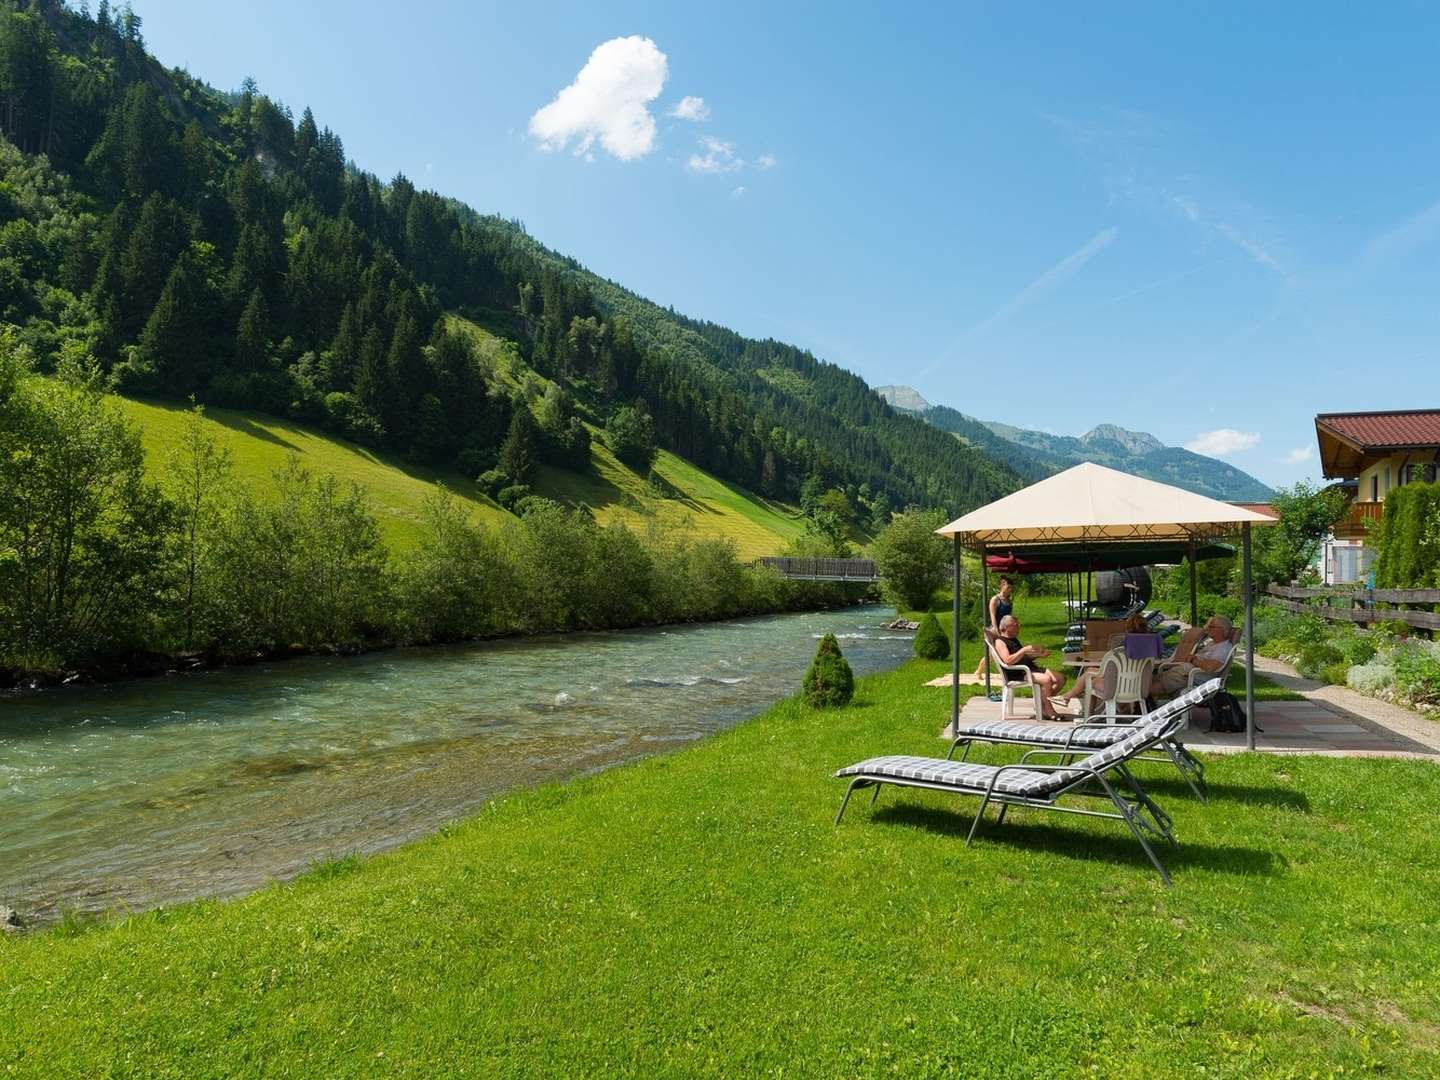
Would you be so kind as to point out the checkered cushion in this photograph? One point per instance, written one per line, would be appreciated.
(1090, 738)
(957, 774)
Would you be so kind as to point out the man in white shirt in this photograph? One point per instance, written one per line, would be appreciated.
(1210, 656)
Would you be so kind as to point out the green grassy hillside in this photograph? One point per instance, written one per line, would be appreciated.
(259, 445)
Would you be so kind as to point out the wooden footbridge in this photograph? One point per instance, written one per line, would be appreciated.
(806, 569)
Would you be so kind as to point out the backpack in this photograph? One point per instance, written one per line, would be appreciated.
(1227, 714)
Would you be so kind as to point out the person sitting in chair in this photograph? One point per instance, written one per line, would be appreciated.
(1000, 605)
(1211, 654)
(1013, 654)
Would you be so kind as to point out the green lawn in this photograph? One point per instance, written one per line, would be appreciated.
(700, 914)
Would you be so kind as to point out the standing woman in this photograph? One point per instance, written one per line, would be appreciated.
(999, 606)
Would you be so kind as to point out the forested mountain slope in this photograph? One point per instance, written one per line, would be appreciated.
(203, 243)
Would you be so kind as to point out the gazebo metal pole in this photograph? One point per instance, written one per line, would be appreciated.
(1249, 645)
(955, 643)
(984, 611)
(1194, 611)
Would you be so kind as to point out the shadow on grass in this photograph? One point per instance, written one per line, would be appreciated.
(249, 428)
(1164, 787)
(1117, 848)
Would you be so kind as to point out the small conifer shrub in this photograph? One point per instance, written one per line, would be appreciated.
(930, 640)
(829, 683)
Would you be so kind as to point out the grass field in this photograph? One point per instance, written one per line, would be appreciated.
(259, 445)
(700, 914)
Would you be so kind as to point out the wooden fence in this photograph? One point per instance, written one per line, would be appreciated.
(1363, 603)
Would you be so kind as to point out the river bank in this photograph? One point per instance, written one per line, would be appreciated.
(214, 782)
(150, 664)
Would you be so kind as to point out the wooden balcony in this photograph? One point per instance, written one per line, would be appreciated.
(1352, 525)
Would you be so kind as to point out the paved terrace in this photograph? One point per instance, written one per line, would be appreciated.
(1331, 720)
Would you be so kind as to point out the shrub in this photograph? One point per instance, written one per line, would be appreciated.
(1370, 678)
(930, 640)
(1315, 657)
(1336, 674)
(509, 497)
(829, 683)
(1358, 649)
(1308, 630)
(1417, 673)
(492, 482)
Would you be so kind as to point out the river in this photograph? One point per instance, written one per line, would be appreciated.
(152, 792)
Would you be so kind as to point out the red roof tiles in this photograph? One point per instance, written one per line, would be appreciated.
(1386, 429)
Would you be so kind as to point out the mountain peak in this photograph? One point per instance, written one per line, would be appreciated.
(1136, 442)
(903, 397)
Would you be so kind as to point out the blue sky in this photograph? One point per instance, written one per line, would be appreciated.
(1209, 222)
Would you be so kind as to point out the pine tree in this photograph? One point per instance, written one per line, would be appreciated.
(252, 336)
(517, 452)
(370, 376)
(173, 341)
(344, 352)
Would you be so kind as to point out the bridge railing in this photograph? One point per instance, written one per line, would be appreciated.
(821, 569)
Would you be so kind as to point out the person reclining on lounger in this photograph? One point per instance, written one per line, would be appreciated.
(1013, 654)
(1211, 654)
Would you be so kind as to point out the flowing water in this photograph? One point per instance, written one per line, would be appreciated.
(211, 784)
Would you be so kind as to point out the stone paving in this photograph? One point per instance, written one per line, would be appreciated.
(1330, 721)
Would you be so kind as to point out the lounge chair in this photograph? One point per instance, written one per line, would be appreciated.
(1085, 737)
(1042, 786)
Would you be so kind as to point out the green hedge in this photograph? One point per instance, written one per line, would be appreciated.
(1407, 539)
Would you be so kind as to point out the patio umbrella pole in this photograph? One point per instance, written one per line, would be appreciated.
(1249, 645)
(1194, 611)
(955, 643)
(984, 609)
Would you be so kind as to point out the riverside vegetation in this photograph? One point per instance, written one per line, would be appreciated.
(102, 561)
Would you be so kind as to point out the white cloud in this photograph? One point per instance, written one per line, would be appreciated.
(765, 161)
(608, 101)
(719, 157)
(690, 108)
(1299, 455)
(1222, 442)
(738, 193)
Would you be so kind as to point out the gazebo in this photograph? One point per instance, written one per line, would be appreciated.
(1089, 508)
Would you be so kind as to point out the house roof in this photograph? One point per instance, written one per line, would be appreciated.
(1089, 503)
(1386, 430)
(1347, 438)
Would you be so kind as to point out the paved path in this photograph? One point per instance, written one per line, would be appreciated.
(1331, 720)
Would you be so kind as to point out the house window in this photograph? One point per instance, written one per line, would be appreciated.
(1375, 487)
(1420, 474)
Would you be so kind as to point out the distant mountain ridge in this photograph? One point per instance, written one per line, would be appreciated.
(1037, 454)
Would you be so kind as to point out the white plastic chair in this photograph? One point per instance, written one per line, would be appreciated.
(1013, 677)
(1116, 682)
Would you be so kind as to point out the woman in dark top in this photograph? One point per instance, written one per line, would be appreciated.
(1013, 654)
(1000, 605)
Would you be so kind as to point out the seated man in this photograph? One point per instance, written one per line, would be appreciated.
(1012, 653)
(1210, 655)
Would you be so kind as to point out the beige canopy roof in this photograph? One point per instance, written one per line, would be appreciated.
(1090, 503)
